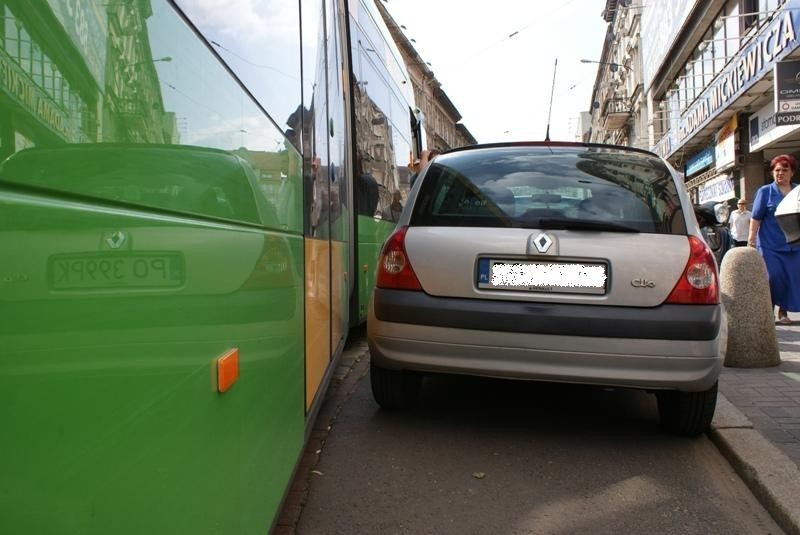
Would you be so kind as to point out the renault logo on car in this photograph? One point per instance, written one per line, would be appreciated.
(541, 242)
(116, 239)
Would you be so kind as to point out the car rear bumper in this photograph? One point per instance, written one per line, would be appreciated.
(665, 322)
(616, 356)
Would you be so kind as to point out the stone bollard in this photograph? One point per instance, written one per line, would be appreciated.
(744, 286)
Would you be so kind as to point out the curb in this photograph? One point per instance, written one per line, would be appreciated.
(772, 477)
(353, 365)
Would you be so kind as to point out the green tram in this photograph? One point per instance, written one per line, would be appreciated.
(192, 199)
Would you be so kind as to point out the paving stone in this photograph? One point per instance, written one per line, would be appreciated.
(744, 395)
(768, 406)
(778, 436)
(774, 412)
(770, 397)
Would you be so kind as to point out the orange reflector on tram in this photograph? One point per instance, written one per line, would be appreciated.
(227, 370)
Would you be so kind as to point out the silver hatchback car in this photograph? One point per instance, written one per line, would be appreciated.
(563, 262)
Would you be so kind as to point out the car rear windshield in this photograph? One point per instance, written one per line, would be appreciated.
(577, 187)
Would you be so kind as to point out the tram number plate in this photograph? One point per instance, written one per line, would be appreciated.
(103, 270)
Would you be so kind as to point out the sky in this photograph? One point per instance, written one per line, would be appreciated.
(496, 61)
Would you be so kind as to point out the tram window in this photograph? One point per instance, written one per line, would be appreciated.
(166, 117)
(267, 62)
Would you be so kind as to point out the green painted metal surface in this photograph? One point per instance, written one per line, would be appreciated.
(371, 234)
(111, 418)
(150, 221)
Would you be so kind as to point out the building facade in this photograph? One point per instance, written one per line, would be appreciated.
(618, 106)
(707, 99)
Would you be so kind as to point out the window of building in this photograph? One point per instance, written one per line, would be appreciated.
(25, 52)
(706, 50)
(697, 68)
(718, 44)
(48, 71)
(37, 64)
(11, 37)
(732, 32)
(687, 86)
(749, 15)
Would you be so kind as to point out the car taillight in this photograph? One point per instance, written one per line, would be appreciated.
(698, 284)
(394, 268)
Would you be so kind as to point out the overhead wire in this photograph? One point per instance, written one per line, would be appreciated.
(515, 33)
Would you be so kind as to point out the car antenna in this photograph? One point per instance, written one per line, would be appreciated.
(549, 111)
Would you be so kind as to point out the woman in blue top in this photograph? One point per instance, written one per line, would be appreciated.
(782, 259)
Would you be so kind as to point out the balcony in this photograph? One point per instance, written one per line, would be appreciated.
(616, 113)
(130, 107)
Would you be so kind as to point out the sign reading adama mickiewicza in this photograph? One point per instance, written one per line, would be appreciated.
(772, 43)
(787, 93)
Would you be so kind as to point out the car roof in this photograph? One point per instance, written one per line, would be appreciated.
(553, 144)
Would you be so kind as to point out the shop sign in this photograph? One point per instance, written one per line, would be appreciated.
(700, 161)
(85, 22)
(787, 92)
(774, 42)
(664, 146)
(16, 83)
(764, 130)
(718, 189)
(725, 148)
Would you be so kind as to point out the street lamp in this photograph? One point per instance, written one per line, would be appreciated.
(613, 67)
(165, 59)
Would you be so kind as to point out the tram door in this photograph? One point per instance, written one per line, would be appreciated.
(340, 180)
(327, 202)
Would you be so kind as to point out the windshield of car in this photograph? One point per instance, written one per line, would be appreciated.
(573, 188)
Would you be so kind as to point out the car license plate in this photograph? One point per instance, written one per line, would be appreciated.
(559, 277)
(104, 270)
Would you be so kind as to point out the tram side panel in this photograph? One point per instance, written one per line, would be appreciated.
(382, 103)
(146, 235)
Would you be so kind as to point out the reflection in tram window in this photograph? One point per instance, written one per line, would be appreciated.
(135, 73)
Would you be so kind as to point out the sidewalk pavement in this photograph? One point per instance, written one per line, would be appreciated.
(757, 427)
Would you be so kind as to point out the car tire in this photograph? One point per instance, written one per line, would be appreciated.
(394, 389)
(687, 413)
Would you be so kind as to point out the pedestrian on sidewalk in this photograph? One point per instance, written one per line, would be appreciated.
(740, 223)
(782, 260)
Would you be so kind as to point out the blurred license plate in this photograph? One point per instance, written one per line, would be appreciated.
(102, 270)
(560, 277)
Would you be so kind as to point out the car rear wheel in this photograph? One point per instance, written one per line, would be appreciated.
(687, 413)
(394, 389)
